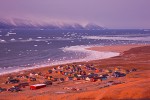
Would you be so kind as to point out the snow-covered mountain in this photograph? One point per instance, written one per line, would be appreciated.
(93, 27)
(23, 23)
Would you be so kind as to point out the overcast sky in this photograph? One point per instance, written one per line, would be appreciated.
(108, 13)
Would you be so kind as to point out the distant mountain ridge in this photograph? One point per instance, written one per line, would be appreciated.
(21, 23)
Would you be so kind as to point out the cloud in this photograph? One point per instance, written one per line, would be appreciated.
(109, 13)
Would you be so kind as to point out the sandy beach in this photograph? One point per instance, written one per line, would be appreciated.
(115, 48)
(134, 85)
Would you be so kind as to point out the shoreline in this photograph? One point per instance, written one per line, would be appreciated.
(90, 56)
(114, 51)
(116, 48)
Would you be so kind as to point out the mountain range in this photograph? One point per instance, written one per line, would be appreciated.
(22, 23)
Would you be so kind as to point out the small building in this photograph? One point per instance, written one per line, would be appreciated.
(54, 79)
(54, 69)
(13, 81)
(118, 74)
(103, 77)
(37, 86)
(61, 79)
(69, 78)
(97, 71)
(32, 79)
(48, 82)
(76, 78)
(108, 71)
(23, 84)
(133, 69)
(50, 71)
(93, 79)
(49, 77)
(87, 79)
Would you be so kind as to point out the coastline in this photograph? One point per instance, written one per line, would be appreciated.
(93, 53)
(130, 58)
(116, 48)
(90, 55)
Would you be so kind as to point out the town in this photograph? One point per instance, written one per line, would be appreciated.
(80, 76)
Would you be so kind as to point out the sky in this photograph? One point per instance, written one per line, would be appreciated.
(107, 13)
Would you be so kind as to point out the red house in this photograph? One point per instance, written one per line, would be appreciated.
(37, 86)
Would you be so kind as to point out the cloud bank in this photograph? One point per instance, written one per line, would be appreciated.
(108, 13)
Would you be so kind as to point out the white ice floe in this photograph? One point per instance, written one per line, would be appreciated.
(12, 39)
(39, 37)
(30, 39)
(20, 38)
(10, 33)
(39, 40)
(2, 41)
(35, 45)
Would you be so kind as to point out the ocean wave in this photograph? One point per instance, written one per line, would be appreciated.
(90, 55)
(39, 40)
(33, 40)
(117, 38)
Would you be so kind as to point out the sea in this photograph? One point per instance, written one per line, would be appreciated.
(22, 49)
